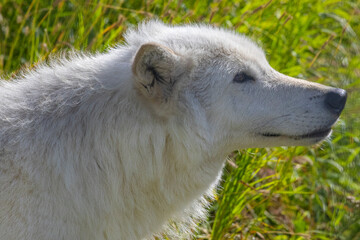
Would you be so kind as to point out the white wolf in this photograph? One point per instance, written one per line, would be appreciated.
(114, 145)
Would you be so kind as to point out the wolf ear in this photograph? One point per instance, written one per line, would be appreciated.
(154, 71)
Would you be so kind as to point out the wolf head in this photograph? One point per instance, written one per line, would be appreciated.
(221, 81)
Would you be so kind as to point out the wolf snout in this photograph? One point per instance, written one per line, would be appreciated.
(335, 100)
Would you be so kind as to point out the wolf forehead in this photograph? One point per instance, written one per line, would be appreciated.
(196, 39)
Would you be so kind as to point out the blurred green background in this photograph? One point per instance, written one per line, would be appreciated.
(277, 193)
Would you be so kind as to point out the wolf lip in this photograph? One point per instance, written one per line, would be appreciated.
(313, 134)
(271, 135)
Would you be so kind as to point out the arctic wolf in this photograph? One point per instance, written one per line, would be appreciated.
(115, 145)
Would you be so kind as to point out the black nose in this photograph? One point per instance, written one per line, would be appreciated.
(335, 100)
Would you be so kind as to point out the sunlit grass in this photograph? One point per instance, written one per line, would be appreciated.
(280, 193)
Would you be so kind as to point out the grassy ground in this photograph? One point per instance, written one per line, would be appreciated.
(280, 193)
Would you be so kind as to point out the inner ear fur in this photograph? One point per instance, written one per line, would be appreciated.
(153, 68)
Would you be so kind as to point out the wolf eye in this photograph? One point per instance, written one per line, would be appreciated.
(242, 77)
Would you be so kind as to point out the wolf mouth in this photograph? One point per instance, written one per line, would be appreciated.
(314, 134)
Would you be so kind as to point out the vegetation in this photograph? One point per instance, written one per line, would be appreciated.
(279, 193)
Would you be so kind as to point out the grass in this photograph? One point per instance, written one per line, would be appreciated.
(279, 193)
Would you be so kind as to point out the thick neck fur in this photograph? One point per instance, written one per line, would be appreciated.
(110, 167)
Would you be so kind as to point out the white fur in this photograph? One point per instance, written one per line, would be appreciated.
(92, 148)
